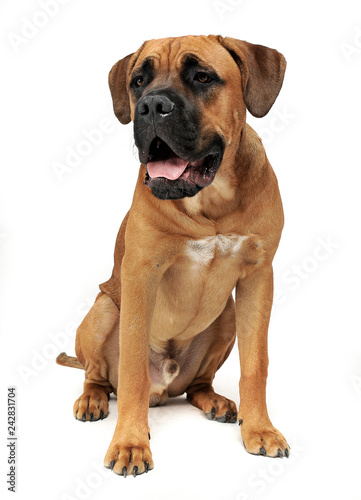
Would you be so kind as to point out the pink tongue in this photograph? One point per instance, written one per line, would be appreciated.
(171, 169)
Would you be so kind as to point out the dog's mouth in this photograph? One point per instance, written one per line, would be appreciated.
(165, 166)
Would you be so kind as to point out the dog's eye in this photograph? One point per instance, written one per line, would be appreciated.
(202, 77)
(139, 81)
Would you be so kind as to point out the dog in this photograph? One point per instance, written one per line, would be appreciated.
(206, 218)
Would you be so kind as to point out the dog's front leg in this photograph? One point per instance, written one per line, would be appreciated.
(254, 295)
(129, 451)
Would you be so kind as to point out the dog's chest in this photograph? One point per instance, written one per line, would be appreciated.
(204, 251)
(195, 289)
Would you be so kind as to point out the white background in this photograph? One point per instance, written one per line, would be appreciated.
(57, 238)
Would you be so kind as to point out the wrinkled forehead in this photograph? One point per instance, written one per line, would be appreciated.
(172, 54)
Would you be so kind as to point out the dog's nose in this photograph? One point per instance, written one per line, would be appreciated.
(151, 107)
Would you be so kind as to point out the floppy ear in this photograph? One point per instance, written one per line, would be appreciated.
(262, 71)
(118, 89)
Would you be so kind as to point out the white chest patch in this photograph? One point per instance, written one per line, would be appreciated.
(204, 250)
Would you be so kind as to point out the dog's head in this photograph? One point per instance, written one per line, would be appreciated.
(188, 97)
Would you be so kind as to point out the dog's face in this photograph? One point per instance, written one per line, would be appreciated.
(187, 98)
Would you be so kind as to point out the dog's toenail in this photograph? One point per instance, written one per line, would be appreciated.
(262, 451)
(135, 470)
(124, 471)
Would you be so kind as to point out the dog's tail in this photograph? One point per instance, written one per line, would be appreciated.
(71, 361)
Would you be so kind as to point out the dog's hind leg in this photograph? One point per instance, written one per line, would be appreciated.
(200, 393)
(98, 329)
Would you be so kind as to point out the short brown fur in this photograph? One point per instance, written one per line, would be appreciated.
(166, 321)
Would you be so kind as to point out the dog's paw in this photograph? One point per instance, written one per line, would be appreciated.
(91, 406)
(221, 409)
(214, 406)
(129, 459)
(264, 441)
